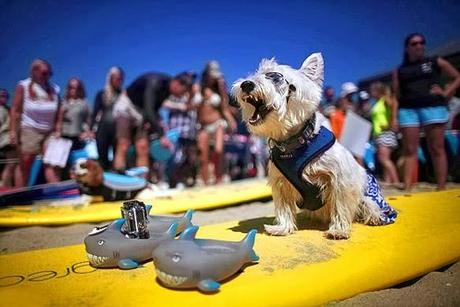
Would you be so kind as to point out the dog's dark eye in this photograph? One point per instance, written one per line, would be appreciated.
(275, 77)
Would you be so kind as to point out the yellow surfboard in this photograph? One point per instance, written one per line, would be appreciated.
(298, 270)
(200, 198)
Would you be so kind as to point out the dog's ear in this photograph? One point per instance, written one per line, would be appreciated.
(313, 68)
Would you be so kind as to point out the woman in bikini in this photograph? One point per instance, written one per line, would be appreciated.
(214, 117)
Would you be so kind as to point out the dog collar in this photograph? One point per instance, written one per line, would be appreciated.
(297, 140)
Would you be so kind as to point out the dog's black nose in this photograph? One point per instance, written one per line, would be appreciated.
(247, 86)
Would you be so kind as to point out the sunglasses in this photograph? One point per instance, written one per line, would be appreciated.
(275, 77)
(417, 43)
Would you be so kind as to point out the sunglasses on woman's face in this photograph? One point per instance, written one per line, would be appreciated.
(413, 44)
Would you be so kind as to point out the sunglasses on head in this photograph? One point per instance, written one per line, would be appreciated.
(417, 43)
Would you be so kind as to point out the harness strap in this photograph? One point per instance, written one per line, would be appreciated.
(291, 165)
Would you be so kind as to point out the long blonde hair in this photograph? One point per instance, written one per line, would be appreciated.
(382, 89)
(33, 67)
(109, 91)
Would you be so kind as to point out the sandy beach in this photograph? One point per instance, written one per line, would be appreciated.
(438, 288)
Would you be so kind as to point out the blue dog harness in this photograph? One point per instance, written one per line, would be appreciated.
(292, 161)
(293, 156)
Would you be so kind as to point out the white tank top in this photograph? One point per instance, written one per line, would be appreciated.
(39, 113)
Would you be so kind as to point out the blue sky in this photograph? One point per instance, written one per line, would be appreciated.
(84, 38)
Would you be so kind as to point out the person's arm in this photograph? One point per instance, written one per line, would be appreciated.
(85, 128)
(391, 103)
(225, 106)
(15, 114)
(394, 101)
(59, 119)
(452, 72)
(97, 108)
(168, 104)
(151, 105)
(4, 121)
(222, 91)
(150, 100)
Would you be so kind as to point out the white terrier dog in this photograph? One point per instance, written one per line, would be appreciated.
(280, 103)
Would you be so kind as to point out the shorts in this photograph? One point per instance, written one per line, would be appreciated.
(418, 117)
(126, 129)
(387, 139)
(32, 141)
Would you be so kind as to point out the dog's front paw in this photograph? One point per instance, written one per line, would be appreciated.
(279, 230)
(334, 234)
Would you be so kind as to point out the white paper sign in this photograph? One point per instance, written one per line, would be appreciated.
(57, 151)
(355, 134)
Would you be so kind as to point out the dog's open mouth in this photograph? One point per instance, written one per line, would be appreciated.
(261, 110)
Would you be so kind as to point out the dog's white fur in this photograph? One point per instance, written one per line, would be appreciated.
(341, 179)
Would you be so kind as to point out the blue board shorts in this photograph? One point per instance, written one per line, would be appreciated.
(418, 117)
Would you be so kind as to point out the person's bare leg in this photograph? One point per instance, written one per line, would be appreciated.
(25, 164)
(203, 146)
(410, 145)
(389, 169)
(219, 152)
(142, 151)
(8, 175)
(119, 161)
(52, 173)
(435, 141)
(17, 175)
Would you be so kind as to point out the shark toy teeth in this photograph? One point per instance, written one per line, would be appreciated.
(190, 263)
(129, 241)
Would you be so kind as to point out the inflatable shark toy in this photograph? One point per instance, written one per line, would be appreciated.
(127, 242)
(189, 262)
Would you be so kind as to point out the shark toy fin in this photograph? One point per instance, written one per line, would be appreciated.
(189, 233)
(188, 215)
(208, 285)
(172, 231)
(127, 264)
(148, 208)
(248, 241)
(250, 238)
(118, 223)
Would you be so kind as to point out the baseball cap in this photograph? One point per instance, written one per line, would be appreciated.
(348, 88)
(363, 95)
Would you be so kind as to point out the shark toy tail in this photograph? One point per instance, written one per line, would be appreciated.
(148, 208)
(172, 231)
(249, 241)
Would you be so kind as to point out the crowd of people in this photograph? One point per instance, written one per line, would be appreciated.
(192, 120)
(414, 102)
(131, 126)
